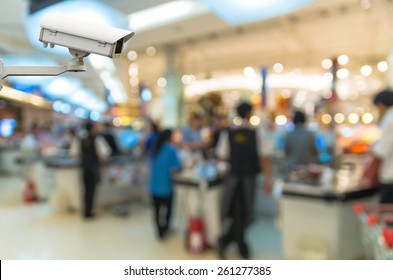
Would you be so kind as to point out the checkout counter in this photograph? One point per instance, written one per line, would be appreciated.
(117, 187)
(9, 153)
(317, 219)
(197, 196)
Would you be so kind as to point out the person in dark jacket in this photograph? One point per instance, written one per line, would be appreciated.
(91, 149)
(242, 146)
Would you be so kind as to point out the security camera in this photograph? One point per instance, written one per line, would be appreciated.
(82, 37)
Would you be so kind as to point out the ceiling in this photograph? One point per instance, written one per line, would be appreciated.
(206, 46)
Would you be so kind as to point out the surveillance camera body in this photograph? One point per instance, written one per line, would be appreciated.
(82, 37)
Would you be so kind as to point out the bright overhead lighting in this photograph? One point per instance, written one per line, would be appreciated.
(343, 73)
(383, 66)
(249, 72)
(366, 70)
(164, 14)
(61, 86)
(278, 68)
(343, 59)
(235, 12)
(326, 63)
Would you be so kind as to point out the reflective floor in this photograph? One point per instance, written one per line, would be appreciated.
(34, 232)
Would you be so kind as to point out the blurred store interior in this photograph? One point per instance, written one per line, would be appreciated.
(326, 58)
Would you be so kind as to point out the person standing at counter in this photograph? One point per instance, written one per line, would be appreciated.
(382, 151)
(163, 161)
(300, 145)
(191, 134)
(242, 146)
(91, 149)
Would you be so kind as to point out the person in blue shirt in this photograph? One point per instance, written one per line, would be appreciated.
(163, 161)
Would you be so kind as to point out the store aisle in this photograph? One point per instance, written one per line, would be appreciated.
(32, 232)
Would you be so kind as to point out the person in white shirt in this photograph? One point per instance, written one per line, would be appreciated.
(383, 148)
(91, 149)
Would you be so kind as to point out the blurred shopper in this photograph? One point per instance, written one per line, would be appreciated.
(218, 126)
(29, 144)
(242, 146)
(91, 149)
(110, 138)
(382, 161)
(191, 134)
(300, 144)
(151, 137)
(163, 163)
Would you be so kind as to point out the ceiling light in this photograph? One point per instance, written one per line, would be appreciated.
(342, 59)
(278, 68)
(326, 63)
(343, 73)
(165, 14)
(366, 70)
(236, 12)
(249, 72)
(383, 66)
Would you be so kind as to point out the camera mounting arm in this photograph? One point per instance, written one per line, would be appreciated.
(74, 65)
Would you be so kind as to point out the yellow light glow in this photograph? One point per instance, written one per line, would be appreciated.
(353, 118)
(255, 120)
(237, 121)
(161, 82)
(367, 118)
(326, 118)
(281, 120)
(339, 118)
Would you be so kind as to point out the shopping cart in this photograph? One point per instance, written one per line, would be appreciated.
(374, 221)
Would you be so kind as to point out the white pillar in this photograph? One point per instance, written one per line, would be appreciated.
(173, 92)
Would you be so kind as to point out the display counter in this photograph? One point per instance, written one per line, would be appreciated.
(197, 197)
(318, 221)
(8, 159)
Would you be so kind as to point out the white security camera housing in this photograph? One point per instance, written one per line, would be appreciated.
(83, 37)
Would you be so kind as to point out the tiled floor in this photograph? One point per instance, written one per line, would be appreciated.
(34, 232)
